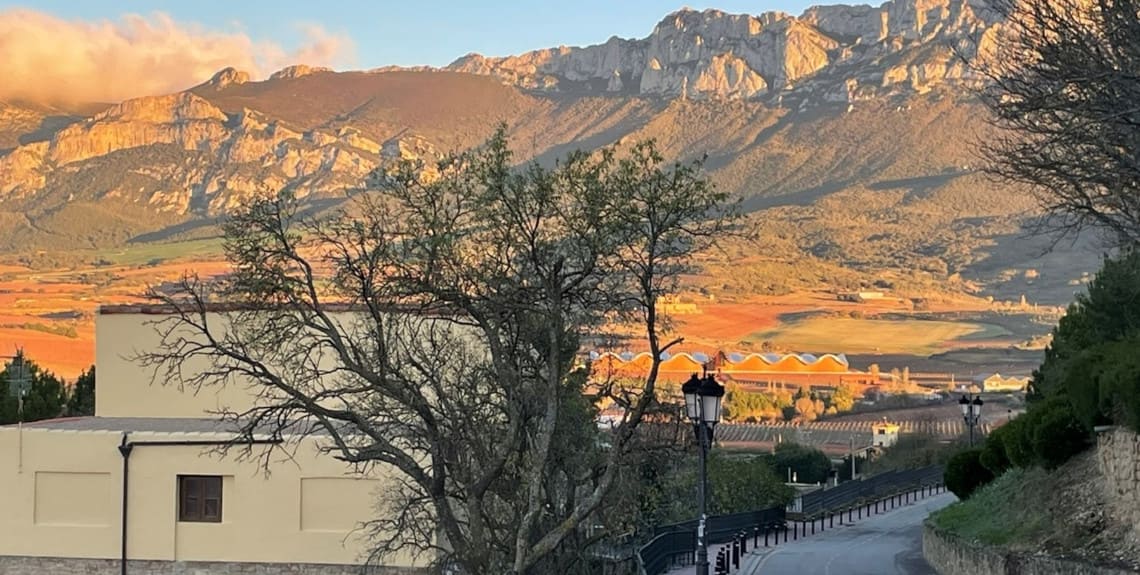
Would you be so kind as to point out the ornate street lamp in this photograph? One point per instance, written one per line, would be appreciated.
(703, 406)
(971, 413)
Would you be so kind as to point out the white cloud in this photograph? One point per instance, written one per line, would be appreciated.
(46, 58)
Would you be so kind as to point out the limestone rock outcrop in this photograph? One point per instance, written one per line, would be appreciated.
(226, 77)
(298, 71)
(210, 161)
(713, 54)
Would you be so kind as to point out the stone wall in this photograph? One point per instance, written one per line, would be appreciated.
(1118, 460)
(11, 565)
(951, 555)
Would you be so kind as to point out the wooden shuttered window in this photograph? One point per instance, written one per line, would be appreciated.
(200, 498)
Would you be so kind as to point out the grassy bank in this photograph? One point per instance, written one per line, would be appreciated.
(1062, 513)
(1007, 512)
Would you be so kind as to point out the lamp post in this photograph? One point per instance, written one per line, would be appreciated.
(703, 404)
(971, 413)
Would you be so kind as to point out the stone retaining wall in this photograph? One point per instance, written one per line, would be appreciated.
(1118, 460)
(11, 565)
(951, 555)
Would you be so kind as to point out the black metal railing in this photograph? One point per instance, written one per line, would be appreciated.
(675, 544)
(874, 487)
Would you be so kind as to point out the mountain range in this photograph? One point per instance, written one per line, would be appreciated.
(849, 130)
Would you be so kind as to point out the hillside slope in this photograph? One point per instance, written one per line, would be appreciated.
(848, 130)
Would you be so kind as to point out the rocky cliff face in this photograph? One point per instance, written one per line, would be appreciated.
(206, 150)
(227, 77)
(298, 71)
(220, 159)
(900, 46)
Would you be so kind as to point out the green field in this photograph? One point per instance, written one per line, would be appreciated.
(158, 252)
(860, 336)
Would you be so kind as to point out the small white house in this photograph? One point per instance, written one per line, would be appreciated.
(884, 434)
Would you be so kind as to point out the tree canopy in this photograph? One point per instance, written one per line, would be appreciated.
(81, 400)
(1061, 86)
(1092, 360)
(45, 397)
(808, 464)
(471, 285)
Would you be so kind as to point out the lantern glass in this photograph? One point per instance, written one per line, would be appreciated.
(691, 390)
(711, 412)
(692, 408)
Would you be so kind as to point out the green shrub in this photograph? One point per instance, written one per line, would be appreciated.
(1057, 433)
(809, 464)
(965, 473)
(1016, 442)
(994, 457)
(913, 451)
(1004, 511)
(1091, 360)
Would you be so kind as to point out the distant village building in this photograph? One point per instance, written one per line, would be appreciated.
(137, 484)
(860, 296)
(674, 305)
(998, 383)
(884, 434)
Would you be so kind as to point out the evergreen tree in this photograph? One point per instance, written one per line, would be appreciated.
(82, 398)
(45, 397)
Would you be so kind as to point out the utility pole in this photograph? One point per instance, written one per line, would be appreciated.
(852, 439)
(19, 381)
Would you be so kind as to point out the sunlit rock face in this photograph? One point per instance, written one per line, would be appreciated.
(903, 45)
(212, 162)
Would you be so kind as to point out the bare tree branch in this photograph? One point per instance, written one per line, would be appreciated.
(432, 327)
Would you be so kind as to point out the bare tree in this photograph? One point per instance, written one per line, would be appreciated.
(467, 294)
(1063, 83)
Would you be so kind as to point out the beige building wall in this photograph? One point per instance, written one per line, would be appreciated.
(126, 388)
(62, 492)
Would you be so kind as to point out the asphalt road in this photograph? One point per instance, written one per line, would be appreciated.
(886, 544)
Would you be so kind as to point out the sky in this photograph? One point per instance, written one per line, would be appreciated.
(111, 50)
